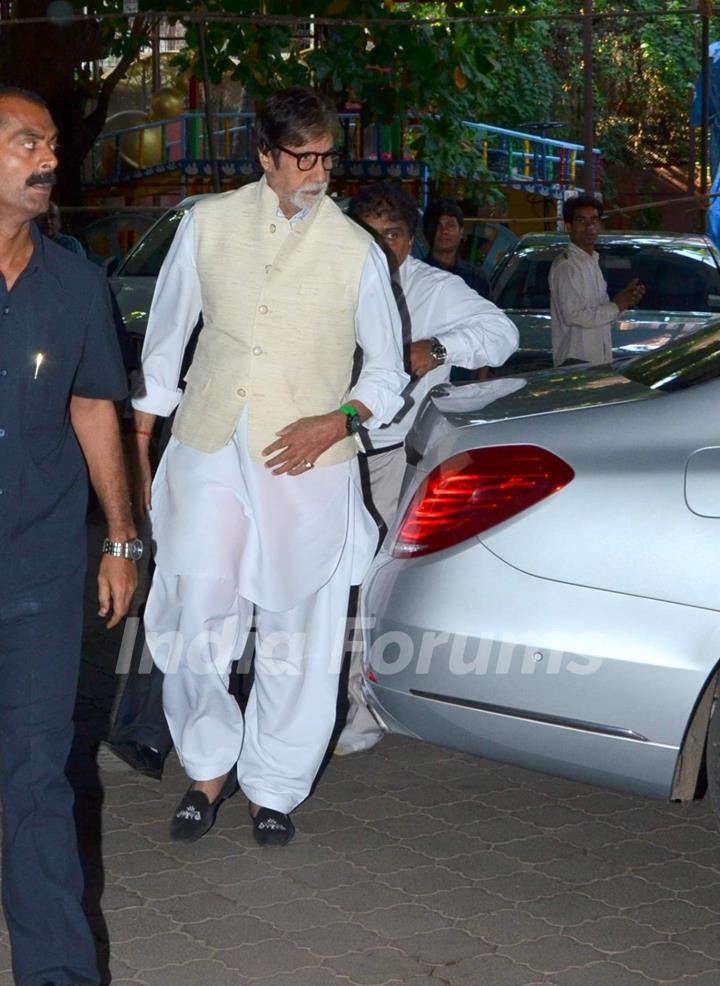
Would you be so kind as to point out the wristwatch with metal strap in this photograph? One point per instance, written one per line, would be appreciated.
(132, 550)
(437, 350)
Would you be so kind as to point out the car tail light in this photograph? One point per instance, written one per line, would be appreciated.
(475, 490)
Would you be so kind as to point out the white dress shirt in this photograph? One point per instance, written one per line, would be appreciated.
(473, 330)
(582, 314)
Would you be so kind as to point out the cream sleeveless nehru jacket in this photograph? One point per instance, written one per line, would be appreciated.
(278, 307)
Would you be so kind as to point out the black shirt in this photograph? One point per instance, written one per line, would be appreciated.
(473, 275)
(57, 339)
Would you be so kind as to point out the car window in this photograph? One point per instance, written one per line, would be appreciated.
(678, 276)
(690, 361)
(147, 257)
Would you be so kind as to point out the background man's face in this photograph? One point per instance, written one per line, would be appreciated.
(393, 235)
(297, 189)
(28, 140)
(584, 227)
(448, 234)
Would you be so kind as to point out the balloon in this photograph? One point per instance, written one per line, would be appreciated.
(167, 102)
(139, 149)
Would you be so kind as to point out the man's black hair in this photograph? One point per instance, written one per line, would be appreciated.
(437, 208)
(580, 202)
(293, 117)
(19, 93)
(384, 200)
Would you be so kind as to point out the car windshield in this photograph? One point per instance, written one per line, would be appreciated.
(690, 361)
(678, 275)
(147, 257)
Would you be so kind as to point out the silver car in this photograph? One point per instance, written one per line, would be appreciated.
(549, 593)
(681, 274)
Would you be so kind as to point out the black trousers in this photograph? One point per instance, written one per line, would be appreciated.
(42, 881)
(139, 716)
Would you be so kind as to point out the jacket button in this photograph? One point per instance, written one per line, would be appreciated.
(257, 350)
(241, 392)
(263, 309)
(273, 227)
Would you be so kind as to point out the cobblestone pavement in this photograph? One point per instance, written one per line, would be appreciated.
(412, 864)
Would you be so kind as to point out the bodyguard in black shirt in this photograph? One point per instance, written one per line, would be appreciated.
(60, 371)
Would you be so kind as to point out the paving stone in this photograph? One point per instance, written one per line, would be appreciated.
(616, 934)
(452, 843)
(672, 915)
(667, 961)
(636, 854)
(148, 954)
(495, 970)
(376, 966)
(391, 859)
(337, 939)
(211, 973)
(681, 874)
(444, 945)
(325, 821)
(265, 890)
(601, 974)
(538, 849)
(507, 927)
(376, 808)
(496, 831)
(367, 895)
(464, 902)
(706, 941)
(686, 839)
(551, 954)
(267, 958)
(196, 907)
(314, 976)
(402, 920)
(230, 931)
(141, 862)
(292, 916)
(233, 869)
(428, 879)
(135, 922)
(625, 891)
(412, 826)
(359, 838)
(579, 869)
(328, 875)
(173, 883)
(708, 897)
(523, 886)
(592, 835)
(485, 864)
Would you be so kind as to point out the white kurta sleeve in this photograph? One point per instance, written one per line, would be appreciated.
(569, 292)
(174, 312)
(379, 334)
(473, 330)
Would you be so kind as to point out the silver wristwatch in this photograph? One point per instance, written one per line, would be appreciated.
(437, 350)
(131, 550)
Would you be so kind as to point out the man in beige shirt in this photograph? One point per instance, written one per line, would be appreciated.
(582, 313)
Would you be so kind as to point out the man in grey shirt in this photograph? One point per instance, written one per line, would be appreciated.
(582, 313)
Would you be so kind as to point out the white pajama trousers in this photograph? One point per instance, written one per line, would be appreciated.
(291, 709)
(235, 542)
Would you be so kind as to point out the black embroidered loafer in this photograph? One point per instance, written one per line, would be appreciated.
(272, 828)
(195, 815)
(142, 758)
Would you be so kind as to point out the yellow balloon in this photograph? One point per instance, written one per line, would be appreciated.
(139, 149)
(167, 102)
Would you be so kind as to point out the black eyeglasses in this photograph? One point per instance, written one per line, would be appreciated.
(307, 160)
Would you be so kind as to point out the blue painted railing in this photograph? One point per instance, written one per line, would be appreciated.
(512, 157)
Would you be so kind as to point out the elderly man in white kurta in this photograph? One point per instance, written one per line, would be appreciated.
(447, 323)
(256, 506)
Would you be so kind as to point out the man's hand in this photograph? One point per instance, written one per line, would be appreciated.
(303, 441)
(421, 358)
(117, 580)
(630, 295)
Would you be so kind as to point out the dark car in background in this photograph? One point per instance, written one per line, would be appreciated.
(681, 274)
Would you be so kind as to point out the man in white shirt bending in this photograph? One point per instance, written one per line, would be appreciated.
(446, 323)
(581, 311)
(257, 511)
